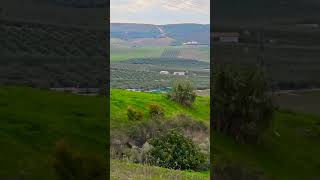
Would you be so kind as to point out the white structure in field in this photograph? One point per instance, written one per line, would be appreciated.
(179, 73)
(191, 43)
(164, 72)
(227, 37)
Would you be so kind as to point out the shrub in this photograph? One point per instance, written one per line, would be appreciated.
(182, 92)
(73, 166)
(175, 151)
(156, 111)
(242, 102)
(133, 114)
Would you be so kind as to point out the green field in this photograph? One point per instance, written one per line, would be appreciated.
(125, 53)
(120, 54)
(123, 170)
(121, 99)
(32, 120)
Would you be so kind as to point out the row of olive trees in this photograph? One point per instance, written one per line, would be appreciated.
(242, 102)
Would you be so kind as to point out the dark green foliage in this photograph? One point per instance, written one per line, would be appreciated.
(156, 111)
(175, 151)
(243, 105)
(70, 165)
(182, 92)
(133, 114)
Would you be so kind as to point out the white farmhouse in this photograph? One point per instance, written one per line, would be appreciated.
(164, 72)
(179, 73)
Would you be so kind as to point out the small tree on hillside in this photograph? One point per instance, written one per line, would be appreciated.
(156, 111)
(134, 114)
(182, 92)
(242, 102)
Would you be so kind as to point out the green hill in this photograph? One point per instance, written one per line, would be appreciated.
(121, 99)
(32, 120)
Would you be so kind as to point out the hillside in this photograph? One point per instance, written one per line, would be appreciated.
(179, 32)
(121, 99)
(32, 120)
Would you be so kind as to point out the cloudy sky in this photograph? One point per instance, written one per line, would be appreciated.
(160, 11)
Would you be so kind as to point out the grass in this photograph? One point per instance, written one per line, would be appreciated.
(121, 99)
(124, 170)
(32, 120)
(292, 155)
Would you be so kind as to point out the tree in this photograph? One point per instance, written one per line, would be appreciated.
(242, 102)
(182, 92)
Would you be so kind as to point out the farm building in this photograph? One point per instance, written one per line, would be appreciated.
(164, 72)
(191, 43)
(227, 37)
(179, 73)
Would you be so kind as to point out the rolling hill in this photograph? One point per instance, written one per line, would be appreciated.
(179, 32)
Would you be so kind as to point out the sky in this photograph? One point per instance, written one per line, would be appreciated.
(160, 11)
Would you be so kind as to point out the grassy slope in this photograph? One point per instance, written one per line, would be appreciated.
(292, 155)
(33, 120)
(121, 99)
(123, 170)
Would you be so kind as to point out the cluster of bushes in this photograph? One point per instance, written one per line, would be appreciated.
(155, 112)
(177, 143)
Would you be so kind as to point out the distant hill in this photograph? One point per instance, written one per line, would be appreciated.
(178, 32)
(269, 10)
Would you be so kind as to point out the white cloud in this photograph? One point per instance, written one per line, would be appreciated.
(127, 10)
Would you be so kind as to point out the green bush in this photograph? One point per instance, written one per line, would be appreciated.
(182, 92)
(70, 165)
(156, 111)
(175, 151)
(242, 104)
(133, 114)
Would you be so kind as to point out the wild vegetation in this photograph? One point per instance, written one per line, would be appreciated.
(243, 106)
(152, 138)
